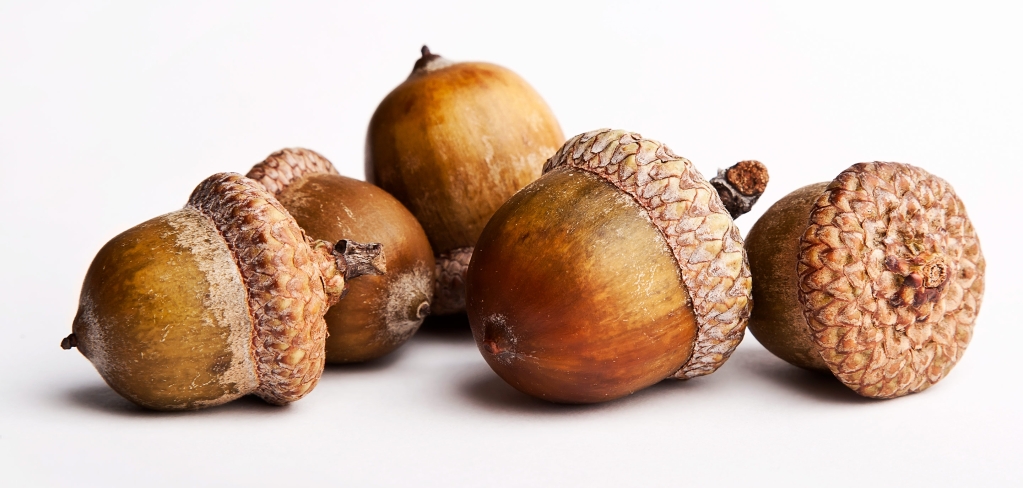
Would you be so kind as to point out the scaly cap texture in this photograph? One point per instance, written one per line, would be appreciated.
(450, 281)
(697, 227)
(283, 167)
(285, 288)
(891, 277)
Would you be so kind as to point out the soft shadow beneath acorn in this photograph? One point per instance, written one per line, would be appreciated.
(100, 398)
(445, 328)
(489, 391)
(817, 385)
(371, 366)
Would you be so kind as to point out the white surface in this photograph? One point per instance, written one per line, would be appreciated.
(111, 113)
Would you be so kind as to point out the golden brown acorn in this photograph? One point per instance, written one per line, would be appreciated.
(220, 299)
(876, 277)
(379, 313)
(452, 143)
(618, 268)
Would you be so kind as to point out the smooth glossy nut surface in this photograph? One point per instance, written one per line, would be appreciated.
(380, 312)
(574, 296)
(453, 143)
(772, 245)
(163, 315)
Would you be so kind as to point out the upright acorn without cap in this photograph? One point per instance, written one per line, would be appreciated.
(452, 143)
(220, 299)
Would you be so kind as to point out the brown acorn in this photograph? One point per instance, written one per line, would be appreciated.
(220, 299)
(618, 268)
(452, 143)
(875, 277)
(379, 313)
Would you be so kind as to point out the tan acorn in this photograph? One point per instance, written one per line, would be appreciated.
(452, 143)
(220, 299)
(618, 268)
(379, 313)
(875, 277)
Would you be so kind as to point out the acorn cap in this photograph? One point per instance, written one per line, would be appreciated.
(283, 167)
(284, 284)
(891, 277)
(698, 229)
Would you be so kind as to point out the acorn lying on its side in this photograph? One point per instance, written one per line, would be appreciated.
(379, 313)
(875, 277)
(618, 268)
(220, 299)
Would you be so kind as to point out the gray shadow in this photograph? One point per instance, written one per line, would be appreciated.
(815, 385)
(372, 366)
(445, 328)
(102, 399)
(487, 390)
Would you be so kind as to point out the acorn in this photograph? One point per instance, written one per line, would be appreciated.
(616, 269)
(875, 277)
(380, 312)
(220, 299)
(452, 143)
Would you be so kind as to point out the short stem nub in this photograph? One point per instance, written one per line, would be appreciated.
(741, 185)
(343, 261)
(425, 59)
(423, 310)
(360, 259)
(428, 62)
(69, 342)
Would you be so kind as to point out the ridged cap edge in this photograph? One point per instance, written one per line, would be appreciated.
(284, 286)
(891, 277)
(697, 227)
(283, 167)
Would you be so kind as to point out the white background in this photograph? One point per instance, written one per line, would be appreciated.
(110, 113)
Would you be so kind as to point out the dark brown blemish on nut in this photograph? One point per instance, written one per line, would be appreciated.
(496, 338)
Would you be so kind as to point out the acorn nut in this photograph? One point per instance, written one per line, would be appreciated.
(875, 277)
(618, 268)
(380, 312)
(452, 143)
(220, 299)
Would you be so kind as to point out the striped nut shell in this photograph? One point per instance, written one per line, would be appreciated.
(697, 227)
(891, 277)
(284, 284)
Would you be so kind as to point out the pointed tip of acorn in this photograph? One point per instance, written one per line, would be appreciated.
(423, 310)
(428, 62)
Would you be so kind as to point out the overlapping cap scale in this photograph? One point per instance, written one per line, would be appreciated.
(697, 227)
(890, 278)
(283, 167)
(286, 295)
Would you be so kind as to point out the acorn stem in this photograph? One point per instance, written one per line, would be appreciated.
(343, 261)
(69, 342)
(741, 185)
(360, 259)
